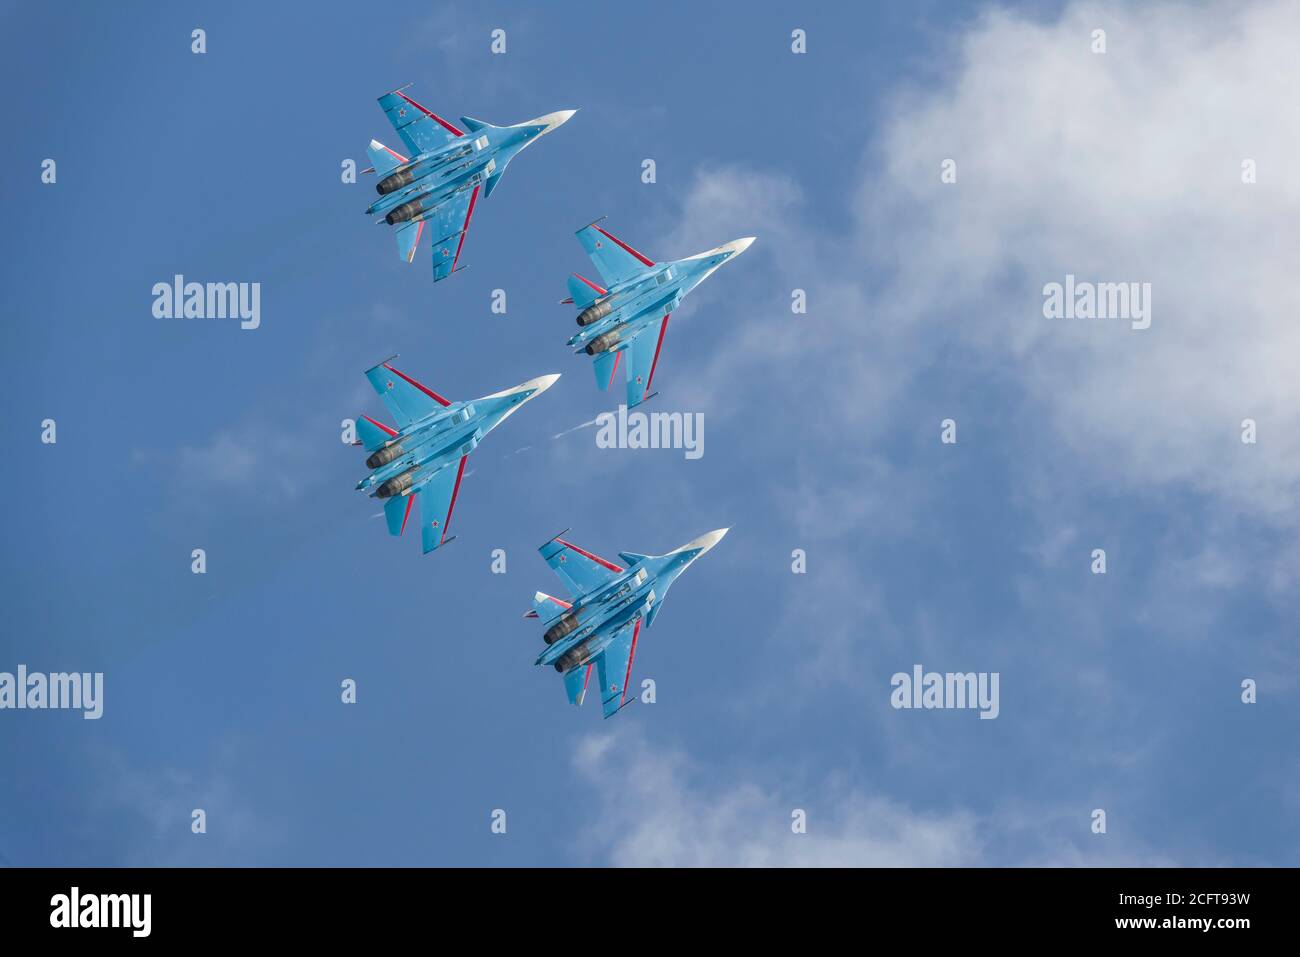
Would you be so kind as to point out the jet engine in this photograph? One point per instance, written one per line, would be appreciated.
(564, 626)
(572, 658)
(408, 210)
(595, 312)
(396, 485)
(604, 342)
(390, 184)
(384, 455)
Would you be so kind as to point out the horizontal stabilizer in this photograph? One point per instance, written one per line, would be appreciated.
(383, 159)
(372, 434)
(547, 607)
(583, 292)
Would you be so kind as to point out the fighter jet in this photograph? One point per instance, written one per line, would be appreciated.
(600, 624)
(424, 457)
(434, 189)
(629, 313)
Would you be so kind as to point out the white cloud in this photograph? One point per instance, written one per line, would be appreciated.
(654, 815)
(653, 810)
(1116, 167)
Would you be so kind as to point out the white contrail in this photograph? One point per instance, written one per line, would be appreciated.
(582, 425)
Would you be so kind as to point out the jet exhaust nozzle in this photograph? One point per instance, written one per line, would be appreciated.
(571, 658)
(595, 312)
(395, 182)
(384, 456)
(396, 485)
(604, 342)
(408, 210)
(564, 626)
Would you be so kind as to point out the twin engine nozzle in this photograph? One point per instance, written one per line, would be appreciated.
(396, 485)
(605, 341)
(595, 312)
(565, 626)
(390, 184)
(400, 214)
(384, 455)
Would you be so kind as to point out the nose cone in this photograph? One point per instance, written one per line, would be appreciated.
(704, 542)
(544, 124)
(709, 539)
(556, 119)
(540, 384)
(736, 247)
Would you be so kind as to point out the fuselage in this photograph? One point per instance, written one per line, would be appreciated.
(425, 447)
(428, 445)
(413, 191)
(636, 593)
(627, 307)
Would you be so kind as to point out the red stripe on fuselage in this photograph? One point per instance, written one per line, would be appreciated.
(379, 425)
(624, 246)
(631, 656)
(658, 345)
(427, 391)
(454, 492)
(595, 558)
(468, 213)
(432, 115)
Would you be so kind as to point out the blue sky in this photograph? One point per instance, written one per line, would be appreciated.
(1119, 692)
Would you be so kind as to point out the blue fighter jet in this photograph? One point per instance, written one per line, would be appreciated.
(599, 626)
(629, 313)
(424, 457)
(434, 189)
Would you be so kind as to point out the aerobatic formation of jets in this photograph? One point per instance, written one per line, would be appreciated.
(418, 464)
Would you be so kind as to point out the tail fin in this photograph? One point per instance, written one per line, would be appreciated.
(372, 434)
(606, 367)
(397, 510)
(575, 683)
(546, 606)
(383, 159)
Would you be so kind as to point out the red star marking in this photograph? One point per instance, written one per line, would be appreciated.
(434, 523)
(563, 559)
(390, 383)
(638, 380)
(402, 111)
(598, 245)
